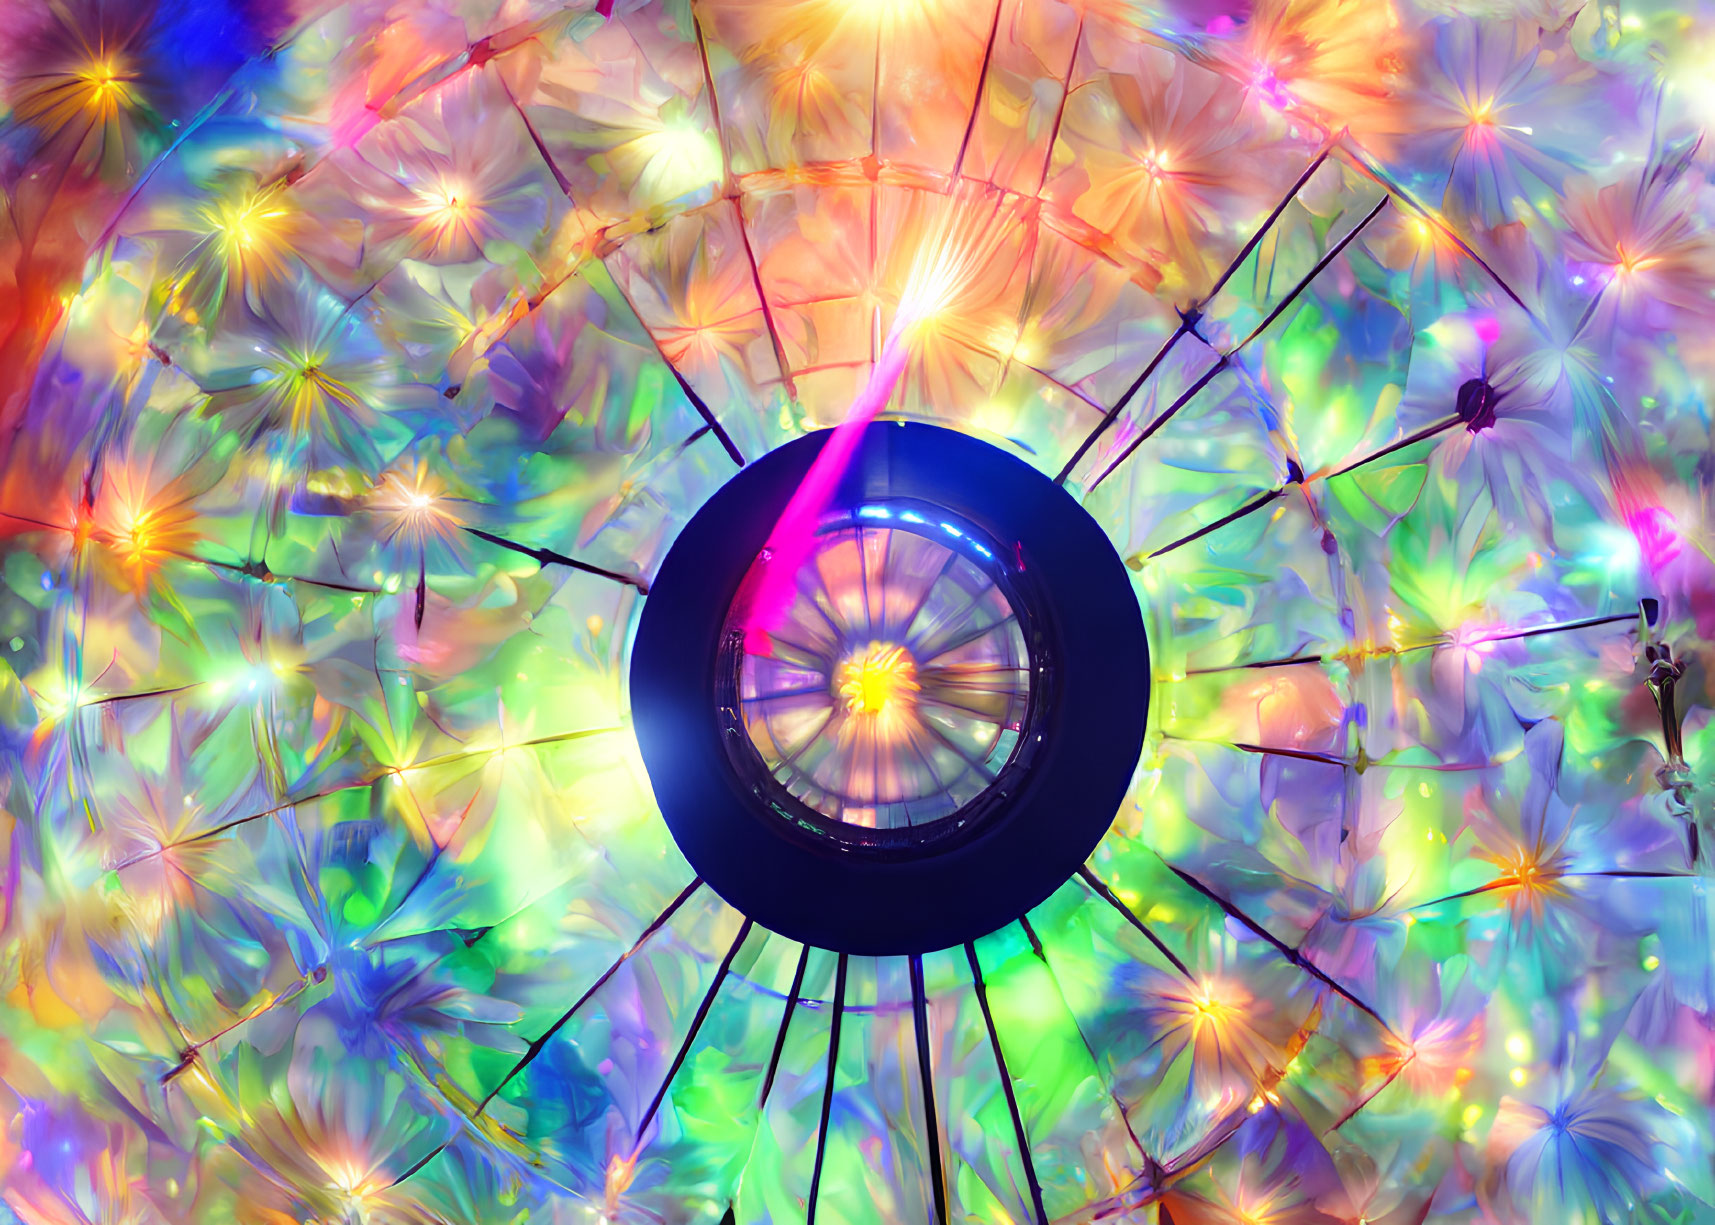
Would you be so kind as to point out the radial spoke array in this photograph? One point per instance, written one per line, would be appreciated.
(364, 367)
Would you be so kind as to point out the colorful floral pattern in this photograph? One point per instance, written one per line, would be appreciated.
(360, 361)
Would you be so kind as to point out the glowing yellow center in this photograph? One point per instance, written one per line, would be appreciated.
(879, 678)
(100, 86)
(448, 208)
(140, 539)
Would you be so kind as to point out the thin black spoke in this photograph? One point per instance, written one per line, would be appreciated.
(835, 717)
(1505, 882)
(826, 613)
(1316, 270)
(1257, 235)
(111, 698)
(697, 401)
(1535, 631)
(828, 1089)
(1558, 628)
(777, 640)
(977, 98)
(536, 1047)
(1120, 1108)
(421, 1162)
(934, 699)
(1249, 508)
(1202, 1151)
(1184, 398)
(1280, 946)
(964, 756)
(560, 180)
(1006, 1085)
(863, 581)
(881, 573)
(1427, 432)
(551, 557)
(1269, 750)
(1372, 1094)
(1188, 320)
(368, 780)
(1374, 171)
(1113, 413)
(690, 1037)
(1261, 663)
(1107, 895)
(1280, 308)
(785, 1024)
(928, 768)
(920, 1022)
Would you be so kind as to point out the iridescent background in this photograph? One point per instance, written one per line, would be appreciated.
(359, 362)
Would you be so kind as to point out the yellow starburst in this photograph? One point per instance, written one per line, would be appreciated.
(252, 232)
(881, 679)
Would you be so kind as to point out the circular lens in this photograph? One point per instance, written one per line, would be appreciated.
(896, 690)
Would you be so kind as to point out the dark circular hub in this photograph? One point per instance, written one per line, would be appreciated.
(940, 726)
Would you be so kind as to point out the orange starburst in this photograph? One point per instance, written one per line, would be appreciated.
(95, 91)
(1530, 877)
(1167, 159)
(82, 92)
(1646, 231)
(1335, 61)
(1222, 1025)
(141, 521)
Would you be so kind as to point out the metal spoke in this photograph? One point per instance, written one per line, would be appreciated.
(1172, 410)
(1189, 319)
(776, 694)
(1296, 956)
(536, 1047)
(1123, 1111)
(551, 557)
(697, 401)
(977, 97)
(1107, 895)
(967, 636)
(1006, 1085)
(1280, 308)
(785, 1024)
(928, 590)
(965, 757)
(828, 1088)
(690, 1037)
(920, 1022)
(1589, 874)
(1374, 170)
(1534, 631)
